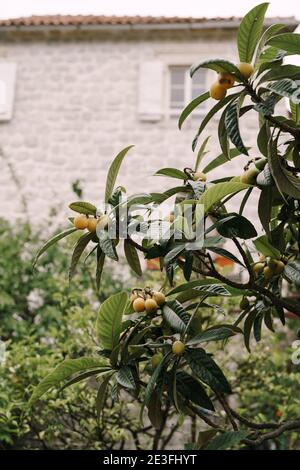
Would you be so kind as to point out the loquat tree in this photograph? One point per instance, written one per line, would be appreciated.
(152, 344)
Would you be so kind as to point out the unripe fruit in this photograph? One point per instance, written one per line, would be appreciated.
(258, 268)
(245, 69)
(249, 176)
(178, 348)
(150, 305)
(279, 267)
(244, 303)
(138, 305)
(104, 222)
(226, 80)
(156, 359)
(199, 176)
(159, 298)
(92, 224)
(217, 92)
(268, 273)
(81, 222)
(272, 264)
(261, 163)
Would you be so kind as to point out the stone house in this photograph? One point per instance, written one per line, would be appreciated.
(75, 90)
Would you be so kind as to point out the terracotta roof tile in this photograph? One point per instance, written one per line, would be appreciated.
(86, 20)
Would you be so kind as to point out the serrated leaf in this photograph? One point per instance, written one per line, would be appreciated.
(191, 389)
(220, 160)
(268, 34)
(52, 241)
(113, 172)
(285, 88)
(210, 114)
(289, 42)
(125, 378)
(83, 207)
(107, 245)
(295, 110)
(78, 250)
(292, 271)
(232, 125)
(264, 247)
(226, 440)
(172, 173)
(191, 106)
(109, 320)
(201, 282)
(205, 368)
(62, 372)
(219, 65)
(213, 334)
(284, 71)
(286, 182)
(249, 32)
(218, 191)
(213, 290)
(132, 258)
(175, 316)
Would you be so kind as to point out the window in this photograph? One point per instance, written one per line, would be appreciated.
(183, 89)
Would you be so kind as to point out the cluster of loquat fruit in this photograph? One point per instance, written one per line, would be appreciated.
(269, 268)
(146, 300)
(226, 80)
(82, 222)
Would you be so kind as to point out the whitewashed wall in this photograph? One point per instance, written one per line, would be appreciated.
(78, 102)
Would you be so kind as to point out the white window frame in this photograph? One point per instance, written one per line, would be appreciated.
(188, 90)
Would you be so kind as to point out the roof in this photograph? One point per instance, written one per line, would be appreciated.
(82, 21)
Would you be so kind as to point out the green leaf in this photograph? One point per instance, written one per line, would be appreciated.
(219, 65)
(174, 253)
(173, 318)
(101, 395)
(218, 191)
(286, 88)
(284, 71)
(83, 207)
(191, 106)
(248, 327)
(235, 225)
(223, 137)
(125, 378)
(213, 290)
(286, 181)
(52, 241)
(201, 282)
(226, 440)
(295, 110)
(80, 246)
(109, 320)
(205, 368)
(210, 114)
(263, 139)
(172, 173)
(154, 378)
(225, 253)
(232, 125)
(201, 152)
(191, 389)
(220, 160)
(249, 32)
(100, 265)
(289, 42)
(107, 245)
(265, 208)
(264, 247)
(292, 271)
(132, 258)
(268, 34)
(62, 372)
(113, 173)
(213, 334)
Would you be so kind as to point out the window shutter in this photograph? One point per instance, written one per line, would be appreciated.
(150, 106)
(7, 89)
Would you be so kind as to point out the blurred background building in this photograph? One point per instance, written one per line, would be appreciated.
(75, 90)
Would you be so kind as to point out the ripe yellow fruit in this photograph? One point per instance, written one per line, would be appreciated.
(217, 92)
(250, 175)
(226, 80)
(92, 224)
(268, 273)
(258, 268)
(200, 176)
(245, 69)
(150, 305)
(81, 222)
(178, 348)
(104, 222)
(156, 359)
(159, 298)
(138, 305)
